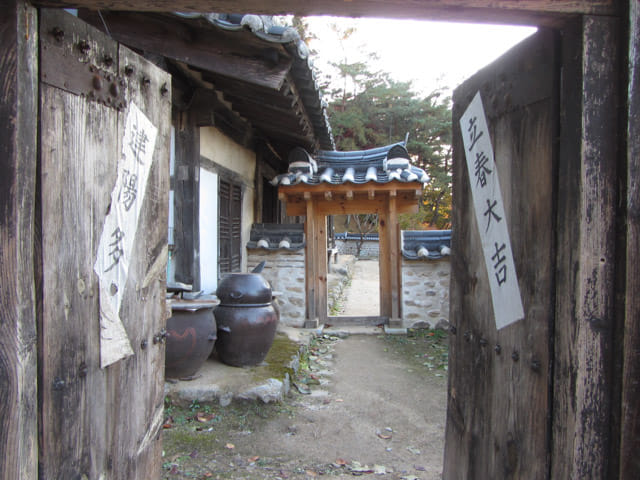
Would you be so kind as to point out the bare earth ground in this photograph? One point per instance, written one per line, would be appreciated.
(362, 297)
(371, 405)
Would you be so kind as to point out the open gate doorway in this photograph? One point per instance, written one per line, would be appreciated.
(354, 269)
(379, 181)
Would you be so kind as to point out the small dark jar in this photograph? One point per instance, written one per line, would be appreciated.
(191, 335)
(246, 319)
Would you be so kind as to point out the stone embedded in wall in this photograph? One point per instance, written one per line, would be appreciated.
(284, 270)
(425, 285)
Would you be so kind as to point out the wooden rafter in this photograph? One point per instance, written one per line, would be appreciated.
(202, 47)
(531, 12)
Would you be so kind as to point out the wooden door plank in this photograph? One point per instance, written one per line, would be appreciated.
(630, 414)
(99, 423)
(136, 388)
(77, 176)
(18, 146)
(586, 311)
(498, 398)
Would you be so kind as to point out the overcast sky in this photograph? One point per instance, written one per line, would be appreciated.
(432, 54)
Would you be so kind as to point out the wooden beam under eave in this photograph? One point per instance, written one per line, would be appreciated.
(328, 196)
(200, 47)
(363, 188)
(522, 12)
(295, 205)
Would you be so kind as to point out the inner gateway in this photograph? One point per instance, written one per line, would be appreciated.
(353, 252)
(380, 181)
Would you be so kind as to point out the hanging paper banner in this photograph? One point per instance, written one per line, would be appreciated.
(119, 231)
(490, 215)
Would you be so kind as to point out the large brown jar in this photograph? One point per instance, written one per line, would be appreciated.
(246, 319)
(191, 334)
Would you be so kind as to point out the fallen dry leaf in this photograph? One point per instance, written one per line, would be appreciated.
(254, 459)
(311, 473)
(340, 461)
(230, 446)
(384, 436)
(204, 417)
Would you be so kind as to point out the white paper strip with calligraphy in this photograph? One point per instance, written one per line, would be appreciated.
(118, 234)
(490, 216)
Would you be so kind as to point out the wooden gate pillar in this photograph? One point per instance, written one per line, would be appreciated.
(391, 270)
(311, 316)
(18, 145)
(315, 264)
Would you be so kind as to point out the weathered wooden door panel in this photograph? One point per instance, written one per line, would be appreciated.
(97, 422)
(498, 401)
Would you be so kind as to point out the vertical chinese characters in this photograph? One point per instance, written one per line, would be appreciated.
(490, 215)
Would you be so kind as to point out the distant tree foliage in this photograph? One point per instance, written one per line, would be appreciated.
(368, 109)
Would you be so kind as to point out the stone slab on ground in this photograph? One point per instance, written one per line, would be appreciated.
(268, 382)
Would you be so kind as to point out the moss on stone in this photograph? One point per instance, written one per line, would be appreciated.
(283, 358)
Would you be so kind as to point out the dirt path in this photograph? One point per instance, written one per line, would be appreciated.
(370, 405)
(378, 411)
(362, 297)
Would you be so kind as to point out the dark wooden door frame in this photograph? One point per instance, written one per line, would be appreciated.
(18, 111)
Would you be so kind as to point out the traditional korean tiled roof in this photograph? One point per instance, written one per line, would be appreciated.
(426, 244)
(264, 29)
(377, 165)
(272, 236)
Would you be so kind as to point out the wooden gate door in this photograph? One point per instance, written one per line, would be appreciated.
(104, 183)
(499, 389)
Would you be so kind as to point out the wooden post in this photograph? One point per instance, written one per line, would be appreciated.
(384, 225)
(630, 414)
(583, 374)
(395, 265)
(311, 266)
(18, 146)
(186, 186)
(321, 264)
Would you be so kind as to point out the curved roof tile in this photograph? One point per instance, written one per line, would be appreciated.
(358, 167)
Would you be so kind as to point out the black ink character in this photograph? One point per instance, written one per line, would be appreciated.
(500, 273)
(489, 213)
(129, 189)
(116, 252)
(474, 135)
(481, 169)
(138, 142)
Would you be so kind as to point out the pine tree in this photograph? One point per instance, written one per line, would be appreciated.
(378, 110)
